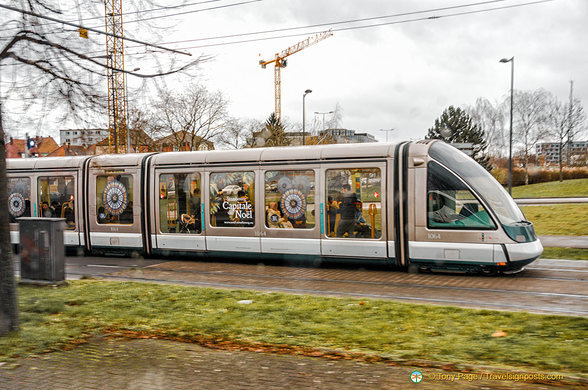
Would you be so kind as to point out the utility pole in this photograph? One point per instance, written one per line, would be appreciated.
(569, 141)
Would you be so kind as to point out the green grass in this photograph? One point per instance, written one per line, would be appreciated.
(555, 189)
(565, 253)
(54, 317)
(563, 219)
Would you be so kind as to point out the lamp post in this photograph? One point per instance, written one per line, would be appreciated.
(511, 60)
(304, 116)
(387, 131)
(323, 114)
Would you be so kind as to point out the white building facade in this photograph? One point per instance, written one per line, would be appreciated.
(550, 151)
(82, 137)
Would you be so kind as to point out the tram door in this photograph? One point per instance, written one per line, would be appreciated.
(352, 205)
(179, 208)
(114, 208)
(232, 218)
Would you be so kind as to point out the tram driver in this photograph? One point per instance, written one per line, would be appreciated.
(441, 212)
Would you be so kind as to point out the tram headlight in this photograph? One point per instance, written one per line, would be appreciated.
(522, 231)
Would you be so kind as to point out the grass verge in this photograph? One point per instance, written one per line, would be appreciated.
(565, 253)
(561, 219)
(52, 318)
(555, 189)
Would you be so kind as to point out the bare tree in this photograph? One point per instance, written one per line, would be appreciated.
(492, 119)
(142, 133)
(530, 121)
(238, 133)
(565, 123)
(190, 118)
(48, 62)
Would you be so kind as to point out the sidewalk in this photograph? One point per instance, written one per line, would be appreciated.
(146, 364)
(565, 241)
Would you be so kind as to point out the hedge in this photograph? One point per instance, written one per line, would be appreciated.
(538, 175)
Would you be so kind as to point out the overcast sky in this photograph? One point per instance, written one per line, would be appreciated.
(400, 75)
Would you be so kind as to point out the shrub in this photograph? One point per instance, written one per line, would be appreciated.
(538, 175)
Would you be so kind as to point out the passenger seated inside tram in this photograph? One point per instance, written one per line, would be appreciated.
(56, 208)
(47, 211)
(441, 212)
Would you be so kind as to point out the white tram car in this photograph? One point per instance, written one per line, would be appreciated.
(421, 205)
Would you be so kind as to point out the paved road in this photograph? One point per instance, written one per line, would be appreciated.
(546, 286)
(547, 201)
(565, 241)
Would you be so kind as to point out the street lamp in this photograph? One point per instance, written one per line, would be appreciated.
(304, 116)
(511, 60)
(387, 131)
(323, 114)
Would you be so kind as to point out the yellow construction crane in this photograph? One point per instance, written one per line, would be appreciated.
(281, 62)
(115, 62)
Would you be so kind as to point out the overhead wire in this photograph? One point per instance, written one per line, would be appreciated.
(433, 17)
(342, 21)
(135, 12)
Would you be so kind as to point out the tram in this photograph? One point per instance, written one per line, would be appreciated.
(422, 205)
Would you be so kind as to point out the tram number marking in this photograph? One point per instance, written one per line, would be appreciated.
(434, 236)
(114, 229)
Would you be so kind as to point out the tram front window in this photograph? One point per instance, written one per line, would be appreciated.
(481, 181)
(451, 205)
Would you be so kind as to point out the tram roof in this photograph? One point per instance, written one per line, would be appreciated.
(292, 153)
(45, 162)
(117, 160)
(253, 155)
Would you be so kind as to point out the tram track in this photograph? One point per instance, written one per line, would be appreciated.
(534, 290)
(377, 283)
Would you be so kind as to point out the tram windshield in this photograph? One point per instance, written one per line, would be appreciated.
(481, 181)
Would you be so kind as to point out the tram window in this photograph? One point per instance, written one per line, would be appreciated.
(232, 199)
(114, 199)
(19, 198)
(451, 205)
(289, 199)
(56, 199)
(354, 203)
(179, 203)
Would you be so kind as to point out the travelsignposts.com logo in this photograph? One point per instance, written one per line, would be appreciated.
(416, 376)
